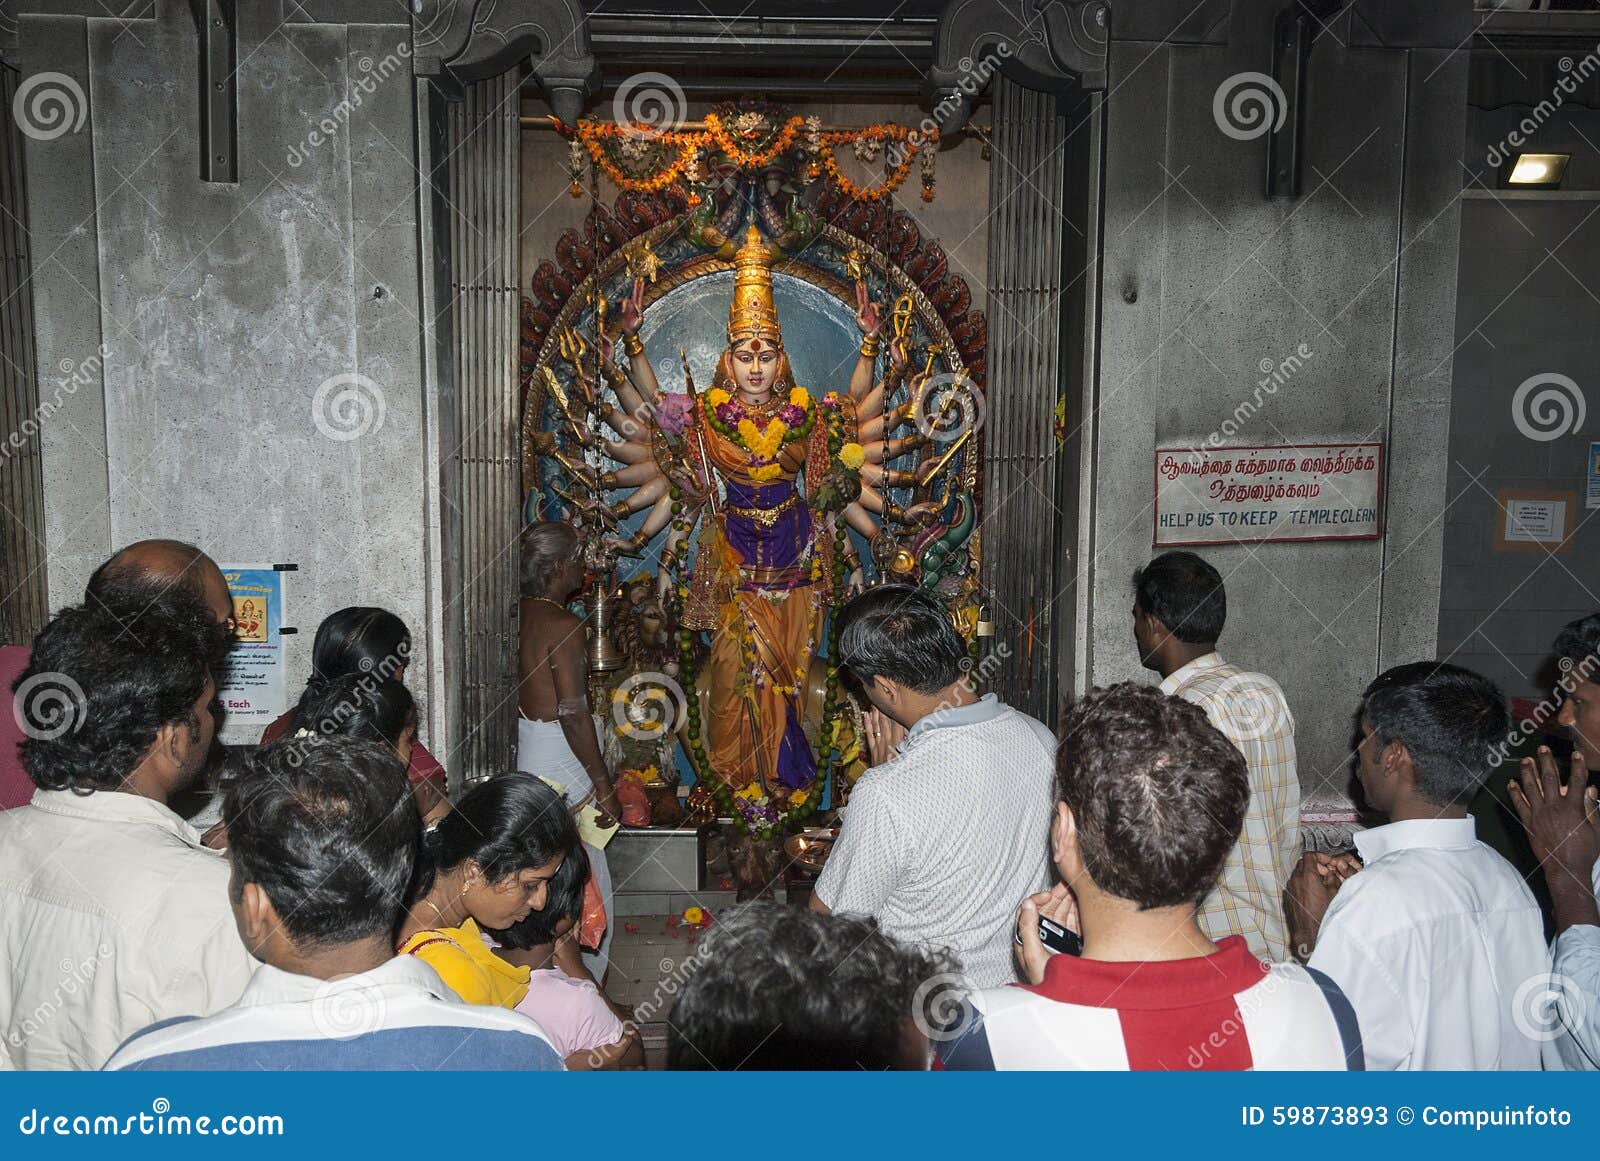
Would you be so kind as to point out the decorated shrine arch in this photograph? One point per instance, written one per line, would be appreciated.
(710, 513)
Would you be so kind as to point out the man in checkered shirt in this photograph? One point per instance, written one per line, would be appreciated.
(1178, 612)
(950, 829)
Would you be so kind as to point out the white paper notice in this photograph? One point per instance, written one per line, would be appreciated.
(1536, 521)
(1290, 492)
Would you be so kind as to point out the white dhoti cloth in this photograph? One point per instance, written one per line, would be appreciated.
(542, 750)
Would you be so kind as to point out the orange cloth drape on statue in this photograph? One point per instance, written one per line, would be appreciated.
(748, 720)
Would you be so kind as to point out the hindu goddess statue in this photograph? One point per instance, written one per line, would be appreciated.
(764, 576)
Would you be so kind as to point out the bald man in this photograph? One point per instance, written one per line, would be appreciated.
(143, 563)
(162, 563)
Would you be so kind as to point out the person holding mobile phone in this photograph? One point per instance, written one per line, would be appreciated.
(1151, 798)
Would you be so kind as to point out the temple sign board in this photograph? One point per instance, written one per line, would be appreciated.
(1226, 495)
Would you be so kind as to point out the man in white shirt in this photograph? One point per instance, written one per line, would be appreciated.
(1563, 824)
(112, 914)
(1434, 937)
(1179, 609)
(322, 837)
(949, 830)
(1564, 828)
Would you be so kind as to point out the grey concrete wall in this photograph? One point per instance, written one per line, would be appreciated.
(1527, 306)
(219, 310)
(1203, 278)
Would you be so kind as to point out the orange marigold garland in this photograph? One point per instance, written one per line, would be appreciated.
(896, 176)
(796, 134)
(717, 133)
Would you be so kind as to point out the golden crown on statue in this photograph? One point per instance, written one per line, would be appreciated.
(751, 315)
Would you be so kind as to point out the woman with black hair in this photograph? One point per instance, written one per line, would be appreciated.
(377, 710)
(562, 997)
(363, 640)
(486, 864)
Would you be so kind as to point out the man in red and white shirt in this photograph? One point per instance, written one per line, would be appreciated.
(1151, 800)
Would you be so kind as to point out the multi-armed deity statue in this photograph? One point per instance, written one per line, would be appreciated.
(755, 497)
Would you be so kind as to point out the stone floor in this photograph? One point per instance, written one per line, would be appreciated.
(649, 960)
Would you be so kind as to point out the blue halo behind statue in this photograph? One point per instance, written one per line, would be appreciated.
(819, 332)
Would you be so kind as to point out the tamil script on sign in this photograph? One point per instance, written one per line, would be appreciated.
(1291, 492)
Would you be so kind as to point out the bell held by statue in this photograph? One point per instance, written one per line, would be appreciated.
(603, 603)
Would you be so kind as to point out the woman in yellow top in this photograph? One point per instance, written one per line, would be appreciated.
(486, 864)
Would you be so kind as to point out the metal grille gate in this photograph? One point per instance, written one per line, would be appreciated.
(484, 167)
(24, 600)
(1027, 524)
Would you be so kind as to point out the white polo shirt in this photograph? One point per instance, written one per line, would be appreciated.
(943, 842)
(1433, 941)
(1569, 1009)
(113, 916)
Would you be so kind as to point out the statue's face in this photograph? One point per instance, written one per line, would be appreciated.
(755, 366)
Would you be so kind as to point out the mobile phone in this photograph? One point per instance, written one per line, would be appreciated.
(1057, 940)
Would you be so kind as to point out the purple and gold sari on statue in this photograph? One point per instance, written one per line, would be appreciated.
(768, 621)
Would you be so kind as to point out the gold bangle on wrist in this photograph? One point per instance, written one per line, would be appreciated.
(869, 347)
(633, 344)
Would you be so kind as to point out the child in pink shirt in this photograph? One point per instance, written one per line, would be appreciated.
(569, 1007)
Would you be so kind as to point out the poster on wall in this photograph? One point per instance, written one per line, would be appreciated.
(1229, 495)
(251, 684)
(1533, 521)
